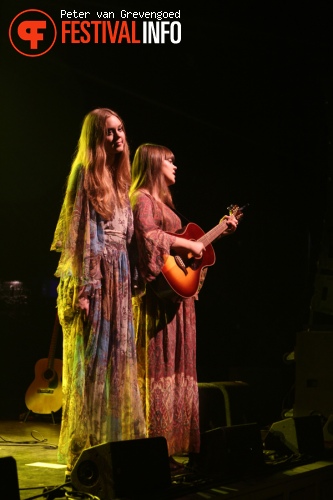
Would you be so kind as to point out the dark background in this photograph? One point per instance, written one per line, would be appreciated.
(244, 102)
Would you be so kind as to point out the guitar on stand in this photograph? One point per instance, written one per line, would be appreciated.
(44, 395)
(182, 274)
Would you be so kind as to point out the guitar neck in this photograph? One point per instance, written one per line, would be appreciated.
(214, 233)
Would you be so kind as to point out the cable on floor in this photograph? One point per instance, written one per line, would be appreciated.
(37, 441)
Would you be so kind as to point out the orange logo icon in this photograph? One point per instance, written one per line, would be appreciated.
(32, 33)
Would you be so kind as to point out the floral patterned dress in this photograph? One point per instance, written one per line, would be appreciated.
(166, 336)
(101, 399)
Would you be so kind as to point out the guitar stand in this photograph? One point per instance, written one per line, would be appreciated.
(29, 411)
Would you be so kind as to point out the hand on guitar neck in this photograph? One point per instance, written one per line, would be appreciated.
(231, 220)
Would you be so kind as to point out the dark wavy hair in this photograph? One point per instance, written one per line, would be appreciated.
(147, 174)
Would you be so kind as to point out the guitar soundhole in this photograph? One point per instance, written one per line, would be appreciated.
(49, 374)
(195, 264)
(52, 377)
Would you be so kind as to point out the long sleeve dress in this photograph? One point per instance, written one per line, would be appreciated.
(165, 336)
(101, 399)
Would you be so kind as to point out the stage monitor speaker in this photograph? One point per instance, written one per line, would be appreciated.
(9, 485)
(298, 435)
(313, 374)
(123, 468)
(230, 453)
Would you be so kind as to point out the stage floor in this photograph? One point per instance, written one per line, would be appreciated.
(33, 445)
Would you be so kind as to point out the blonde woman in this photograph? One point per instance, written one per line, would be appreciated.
(101, 400)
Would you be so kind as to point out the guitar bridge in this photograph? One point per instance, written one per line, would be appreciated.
(180, 263)
(45, 391)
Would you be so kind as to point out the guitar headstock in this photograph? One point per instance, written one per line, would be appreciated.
(237, 211)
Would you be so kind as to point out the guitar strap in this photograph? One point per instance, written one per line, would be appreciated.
(184, 220)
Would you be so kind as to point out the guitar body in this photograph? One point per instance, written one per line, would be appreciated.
(183, 281)
(44, 395)
(182, 275)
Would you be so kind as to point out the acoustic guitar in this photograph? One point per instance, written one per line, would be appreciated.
(44, 395)
(182, 274)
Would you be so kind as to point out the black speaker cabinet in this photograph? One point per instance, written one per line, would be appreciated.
(313, 374)
(298, 435)
(9, 486)
(123, 469)
(230, 453)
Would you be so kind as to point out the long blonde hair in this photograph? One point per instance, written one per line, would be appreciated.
(106, 187)
(147, 173)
